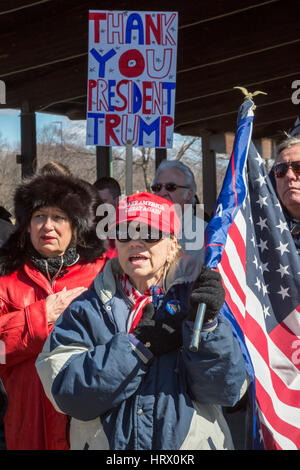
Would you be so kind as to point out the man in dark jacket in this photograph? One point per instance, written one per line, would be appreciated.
(287, 183)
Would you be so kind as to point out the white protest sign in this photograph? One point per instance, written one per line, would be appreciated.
(131, 78)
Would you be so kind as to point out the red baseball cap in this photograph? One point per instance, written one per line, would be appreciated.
(148, 209)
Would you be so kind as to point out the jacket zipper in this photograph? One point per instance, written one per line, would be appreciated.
(51, 281)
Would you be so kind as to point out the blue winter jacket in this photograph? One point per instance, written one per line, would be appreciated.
(122, 397)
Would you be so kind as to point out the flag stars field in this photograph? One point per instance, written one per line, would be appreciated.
(282, 226)
(264, 268)
(265, 289)
(261, 179)
(262, 201)
(262, 223)
(283, 248)
(263, 245)
(283, 270)
(266, 311)
(258, 284)
(259, 160)
(283, 292)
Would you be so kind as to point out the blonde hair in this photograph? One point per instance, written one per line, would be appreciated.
(177, 253)
(54, 168)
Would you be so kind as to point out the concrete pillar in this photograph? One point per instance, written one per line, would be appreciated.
(160, 154)
(28, 157)
(208, 175)
(103, 161)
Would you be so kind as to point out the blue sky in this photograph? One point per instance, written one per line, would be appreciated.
(10, 126)
(10, 123)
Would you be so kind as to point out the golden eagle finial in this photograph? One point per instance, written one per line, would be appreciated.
(249, 95)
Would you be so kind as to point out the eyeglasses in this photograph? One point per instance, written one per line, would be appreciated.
(149, 235)
(171, 187)
(281, 169)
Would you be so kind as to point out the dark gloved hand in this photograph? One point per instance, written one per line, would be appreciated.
(160, 336)
(207, 289)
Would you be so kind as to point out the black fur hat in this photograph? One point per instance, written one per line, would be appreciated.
(76, 197)
(73, 195)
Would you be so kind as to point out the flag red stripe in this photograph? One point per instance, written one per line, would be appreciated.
(286, 341)
(282, 427)
(239, 242)
(236, 287)
(258, 339)
(234, 309)
(226, 265)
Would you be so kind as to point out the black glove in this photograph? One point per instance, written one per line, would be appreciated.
(207, 289)
(160, 336)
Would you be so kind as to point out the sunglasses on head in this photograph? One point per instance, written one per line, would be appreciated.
(148, 235)
(281, 169)
(171, 187)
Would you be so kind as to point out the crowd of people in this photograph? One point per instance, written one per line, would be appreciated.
(96, 332)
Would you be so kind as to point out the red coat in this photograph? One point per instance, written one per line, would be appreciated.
(31, 422)
(111, 251)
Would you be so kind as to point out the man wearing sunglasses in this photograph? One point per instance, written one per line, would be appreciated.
(175, 181)
(287, 177)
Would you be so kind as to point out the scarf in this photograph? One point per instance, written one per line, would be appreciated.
(50, 267)
(153, 294)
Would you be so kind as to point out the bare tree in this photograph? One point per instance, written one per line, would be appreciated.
(66, 148)
(188, 149)
(66, 144)
(145, 162)
(186, 145)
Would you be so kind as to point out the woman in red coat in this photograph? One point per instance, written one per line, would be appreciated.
(50, 259)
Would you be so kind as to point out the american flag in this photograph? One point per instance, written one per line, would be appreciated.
(296, 128)
(249, 242)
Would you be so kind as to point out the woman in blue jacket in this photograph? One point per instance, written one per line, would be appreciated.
(118, 359)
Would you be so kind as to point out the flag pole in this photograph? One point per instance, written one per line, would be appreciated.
(195, 338)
